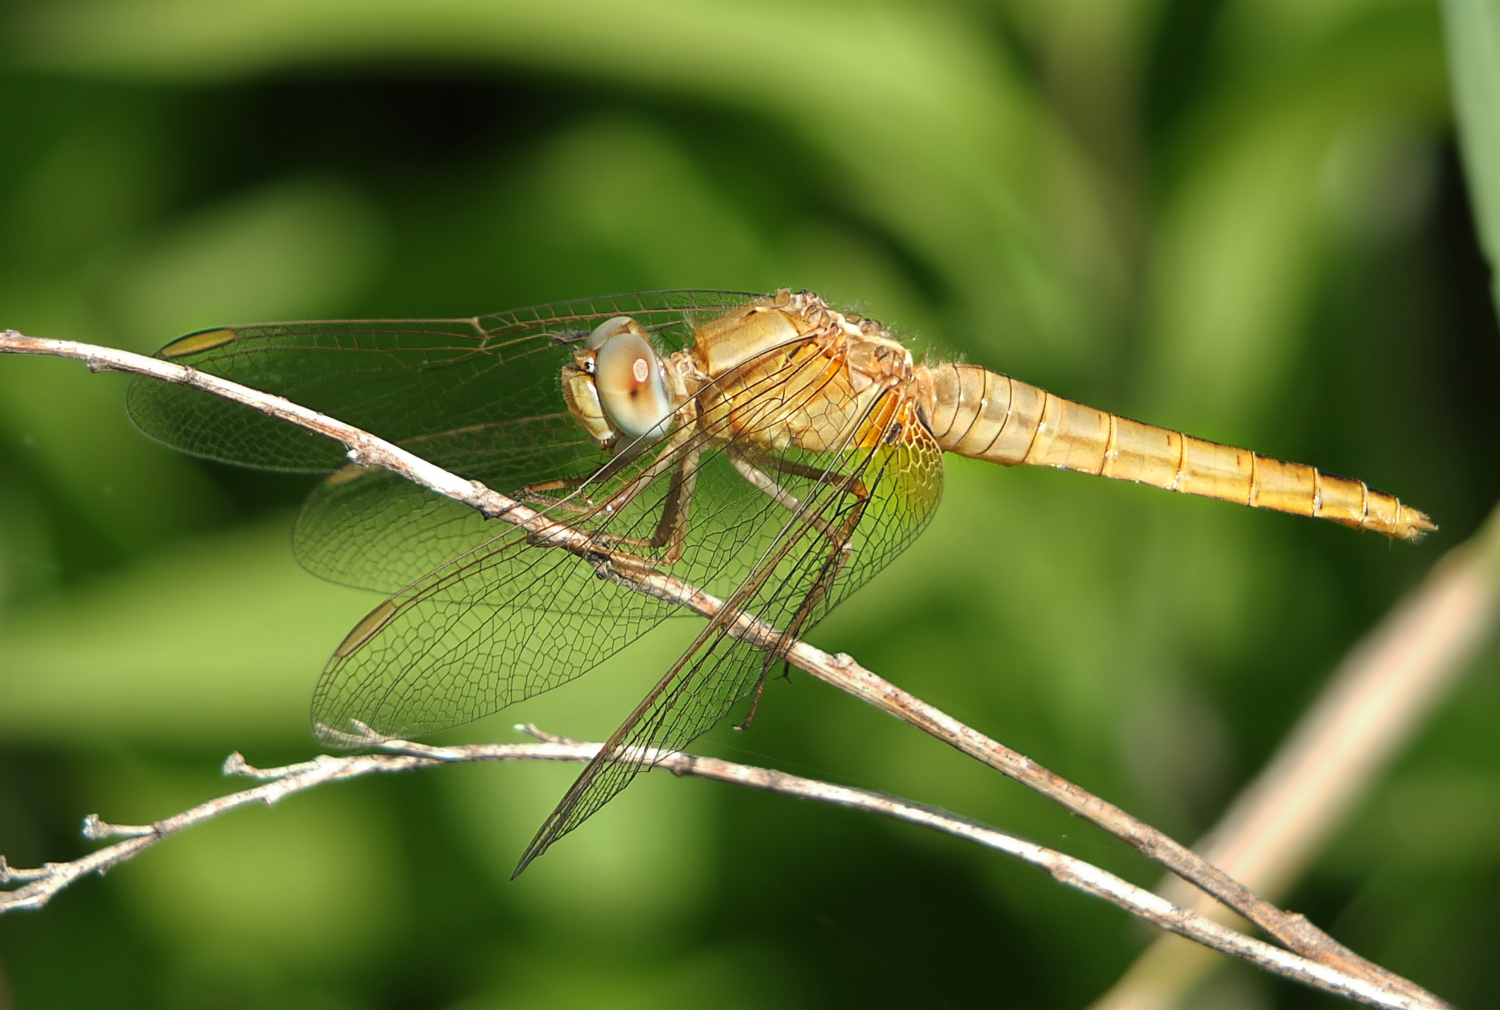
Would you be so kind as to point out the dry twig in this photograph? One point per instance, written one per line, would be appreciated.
(1380, 695)
(840, 670)
(40, 885)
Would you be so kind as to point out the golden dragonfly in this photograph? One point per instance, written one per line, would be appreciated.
(771, 450)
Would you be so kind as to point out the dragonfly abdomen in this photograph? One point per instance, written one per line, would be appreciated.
(982, 414)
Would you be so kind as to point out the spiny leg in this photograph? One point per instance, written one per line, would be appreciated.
(540, 492)
(780, 464)
(748, 464)
(838, 536)
(671, 528)
(671, 531)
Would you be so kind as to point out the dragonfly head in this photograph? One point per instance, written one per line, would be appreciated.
(616, 387)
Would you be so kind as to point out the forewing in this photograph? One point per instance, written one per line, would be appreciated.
(479, 397)
(795, 583)
(399, 379)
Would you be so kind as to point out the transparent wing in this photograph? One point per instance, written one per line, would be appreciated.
(479, 397)
(369, 528)
(836, 542)
(433, 379)
(509, 619)
(471, 638)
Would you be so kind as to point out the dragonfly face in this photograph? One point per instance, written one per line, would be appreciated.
(766, 449)
(581, 395)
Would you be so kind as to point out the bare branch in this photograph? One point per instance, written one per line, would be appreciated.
(1379, 696)
(841, 671)
(40, 885)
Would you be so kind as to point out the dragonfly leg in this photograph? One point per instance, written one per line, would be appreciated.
(838, 556)
(760, 688)
(749, 466)
(671, 528)
(671, 531)
(771, 461)
(753, 466)
(539, 494)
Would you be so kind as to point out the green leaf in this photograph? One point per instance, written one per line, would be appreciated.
(1473, 31)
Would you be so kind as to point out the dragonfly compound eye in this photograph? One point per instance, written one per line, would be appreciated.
(631, 382)
(610, 327)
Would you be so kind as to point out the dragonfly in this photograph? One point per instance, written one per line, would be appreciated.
(768, 449)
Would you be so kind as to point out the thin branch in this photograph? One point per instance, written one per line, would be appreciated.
(41, 885)
(1381, 694)
(840, 670)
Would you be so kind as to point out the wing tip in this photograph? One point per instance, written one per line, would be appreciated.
(548, 833)
(566, 815)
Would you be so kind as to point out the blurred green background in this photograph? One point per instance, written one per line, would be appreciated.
(1241, 218)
